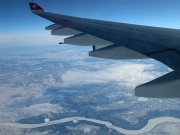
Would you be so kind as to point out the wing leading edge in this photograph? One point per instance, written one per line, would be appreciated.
(114, 40)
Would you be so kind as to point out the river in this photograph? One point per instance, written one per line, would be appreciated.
(151, 124)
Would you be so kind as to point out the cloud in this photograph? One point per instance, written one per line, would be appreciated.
(143, 99)
(127, 74)
(30, 39)
(39, 109)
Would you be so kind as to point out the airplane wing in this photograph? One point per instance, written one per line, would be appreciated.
(114, 40)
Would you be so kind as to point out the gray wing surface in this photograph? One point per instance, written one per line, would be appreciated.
(114, 40)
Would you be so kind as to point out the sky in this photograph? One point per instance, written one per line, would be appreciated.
(17, 19)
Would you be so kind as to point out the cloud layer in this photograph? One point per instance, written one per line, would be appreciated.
(127, 74)
(36, 39)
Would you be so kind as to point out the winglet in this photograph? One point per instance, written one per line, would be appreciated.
(36, 8)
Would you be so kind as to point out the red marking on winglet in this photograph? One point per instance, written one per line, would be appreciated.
(35, 6)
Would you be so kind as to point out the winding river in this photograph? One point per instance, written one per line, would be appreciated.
(151, 124)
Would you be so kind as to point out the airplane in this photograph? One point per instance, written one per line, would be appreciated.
(113, 40)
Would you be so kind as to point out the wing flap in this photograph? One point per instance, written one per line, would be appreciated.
(53, 27)
(65, 31)
(86, 40)
(167, 86)
(116, 52)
